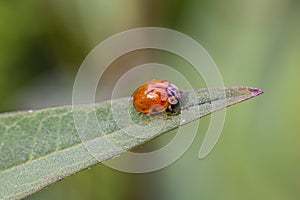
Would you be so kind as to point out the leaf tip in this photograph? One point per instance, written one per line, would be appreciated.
(256, 91)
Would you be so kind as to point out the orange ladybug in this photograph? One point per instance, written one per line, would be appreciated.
(156, 96)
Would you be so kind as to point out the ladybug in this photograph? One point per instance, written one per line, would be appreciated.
(156, 96)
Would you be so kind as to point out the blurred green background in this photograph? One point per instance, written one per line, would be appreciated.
(254, 43)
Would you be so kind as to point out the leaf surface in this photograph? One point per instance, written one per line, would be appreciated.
(43, 146)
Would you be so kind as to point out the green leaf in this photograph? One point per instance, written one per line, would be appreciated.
(40, 147)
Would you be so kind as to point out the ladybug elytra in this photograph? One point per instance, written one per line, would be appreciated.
(156, 96)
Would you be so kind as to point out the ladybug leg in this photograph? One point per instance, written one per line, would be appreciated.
(170, 110)
(174, 110)
(170, 107)
(161, 116)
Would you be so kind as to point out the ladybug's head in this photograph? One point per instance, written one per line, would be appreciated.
(173, 94)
